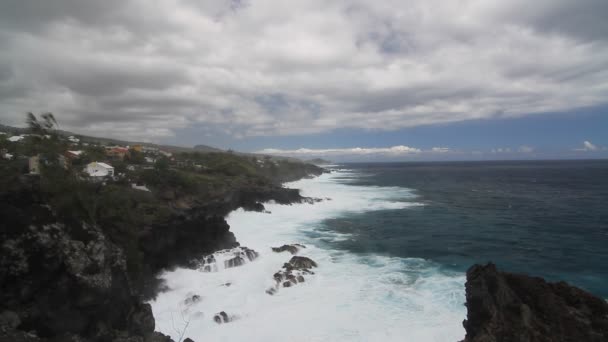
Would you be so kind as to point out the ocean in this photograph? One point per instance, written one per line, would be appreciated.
(393, 242)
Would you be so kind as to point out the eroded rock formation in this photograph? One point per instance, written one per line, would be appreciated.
(513, 307)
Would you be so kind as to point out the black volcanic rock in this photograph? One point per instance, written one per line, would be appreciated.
(78, 259)
(293, 248)
(292, 272)
(222, 317)
(300, 262)
(513, 307)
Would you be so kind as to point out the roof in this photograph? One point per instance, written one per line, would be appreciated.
(76, 152)
(15, 138)
(105, 165)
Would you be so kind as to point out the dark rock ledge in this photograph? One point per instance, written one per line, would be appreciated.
(66, 280)
(292, 273)
(513, 307)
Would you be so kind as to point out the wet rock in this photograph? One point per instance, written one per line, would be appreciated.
(142, 320)
(300, 262)
(292, 273)
(311, 200)
(293, 248)
(234, 262)
(192, 299)
(157, 337)
(229, 258)
(250, 253)
(292, 278)
(513, 307)
(188, 340)
(221, 317)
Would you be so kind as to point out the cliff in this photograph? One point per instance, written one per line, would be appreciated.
(78, 259)
(513, 307)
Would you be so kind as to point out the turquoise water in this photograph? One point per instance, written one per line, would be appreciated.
(545, 218)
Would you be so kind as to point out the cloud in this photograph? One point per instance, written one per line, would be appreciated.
(501, 150)
(588, 147)
(137, 70)
(440, 149)
(525, 149)
(391, 151)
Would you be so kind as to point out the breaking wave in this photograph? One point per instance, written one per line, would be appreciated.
(350, 296)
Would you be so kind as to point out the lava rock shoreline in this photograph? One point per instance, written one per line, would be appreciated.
(506, 306)
(67, 281)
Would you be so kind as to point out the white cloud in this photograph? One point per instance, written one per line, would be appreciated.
(588, 147)
(392, 151)
(525, 149)
(136, 69)
(501, 150)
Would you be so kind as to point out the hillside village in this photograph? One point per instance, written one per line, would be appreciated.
(134, 165)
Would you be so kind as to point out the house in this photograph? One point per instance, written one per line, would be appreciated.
(73, 154)
(73, 139)
(165, 153)
(99, 169)
(16, 138)
(34, 165)
(4, 153)
(117, 152)
(150, 160)
(137, 148)
(141, 187)
(149, 149)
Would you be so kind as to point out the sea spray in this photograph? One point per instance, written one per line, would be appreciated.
(351, 297)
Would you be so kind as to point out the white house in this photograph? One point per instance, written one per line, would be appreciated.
(74, 154)
(73, 139)
(142, 187)
(99, 169)
(34, 165)
(165, 153)
(16, 138)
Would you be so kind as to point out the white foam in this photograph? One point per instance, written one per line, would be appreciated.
(350, 298)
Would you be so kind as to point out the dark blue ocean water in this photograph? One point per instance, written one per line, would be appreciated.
(544, 218)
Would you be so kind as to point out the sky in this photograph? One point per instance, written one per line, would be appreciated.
(344, 80)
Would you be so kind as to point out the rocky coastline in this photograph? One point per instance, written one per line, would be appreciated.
(68, 281)
(505, 306)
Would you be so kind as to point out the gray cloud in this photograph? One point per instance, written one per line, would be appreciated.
(142, 70)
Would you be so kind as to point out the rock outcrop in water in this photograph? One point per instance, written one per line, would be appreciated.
(513, 307)
(292, 273)
(228, 258)
(293, 248)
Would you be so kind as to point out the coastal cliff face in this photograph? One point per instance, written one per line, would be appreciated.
(64, 282)
(512, 307)
(69, 280)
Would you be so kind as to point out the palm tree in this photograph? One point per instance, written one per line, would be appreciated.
(43, 140)
(41, 127)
